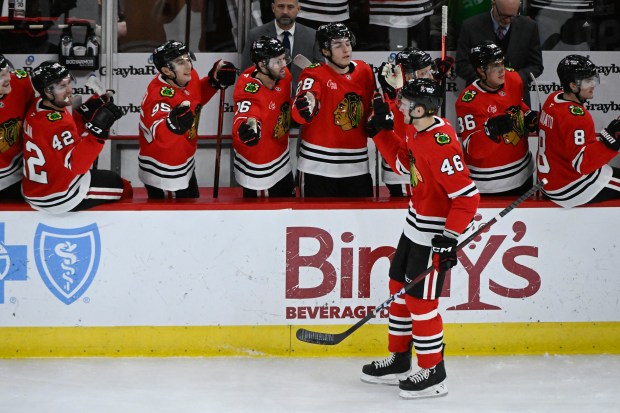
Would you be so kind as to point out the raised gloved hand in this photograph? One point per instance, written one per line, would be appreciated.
(445, 69)
(180, 119)
(444, 252)
(610, 135)
(530, 120)
(390, 78)
(306, 105)
(222, 74)
(92, 105)
(498, 125)
(103, 120)
(249, 132)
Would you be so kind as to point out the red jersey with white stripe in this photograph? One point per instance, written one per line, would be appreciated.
(261, 166)
(166, 160)
(569, 155)
(13, 109)
(443, 195)
(495, 167)
(58, 153)
(334, 143)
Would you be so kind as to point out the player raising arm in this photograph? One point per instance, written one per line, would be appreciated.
(262, 122)
(443, 203)
(570, 156)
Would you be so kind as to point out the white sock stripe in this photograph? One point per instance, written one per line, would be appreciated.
(423, 317)
(427, 338)
(402, 319)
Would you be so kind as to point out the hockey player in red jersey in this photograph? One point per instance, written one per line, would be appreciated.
(332, 104)
(494, 123)
(570, 156)
(169, 116)
(411, 63)
(442, 206)
(16, 96)
(262, 122)
(60, 148)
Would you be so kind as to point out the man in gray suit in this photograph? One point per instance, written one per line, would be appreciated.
(299, 39)
(517, 36)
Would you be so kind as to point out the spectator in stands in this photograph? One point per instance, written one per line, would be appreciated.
(60, 149)
(16, 95)
(517, 36)
(295, 37)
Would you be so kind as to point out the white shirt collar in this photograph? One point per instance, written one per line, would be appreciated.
(279, 31)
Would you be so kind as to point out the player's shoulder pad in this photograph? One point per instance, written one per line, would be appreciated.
(167, 92)
(251, 87)
(54, 116)
(576, 110)
(469, 95)
(20, 74)
(442, 138)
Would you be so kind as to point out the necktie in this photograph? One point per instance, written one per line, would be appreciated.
(500, 33)
(286, 42)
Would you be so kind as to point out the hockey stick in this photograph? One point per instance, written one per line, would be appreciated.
(377, 167)
(444, 33)
(537, 91)
(218, 145)
(301, 61)
(329, 339)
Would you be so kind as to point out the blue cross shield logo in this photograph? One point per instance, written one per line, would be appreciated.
(67, 259)
(12, 262)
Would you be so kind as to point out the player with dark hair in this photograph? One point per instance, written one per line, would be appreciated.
(60, 148)
(262, 122)
(570, 156)
(443, 203)
(16, 95)
(494, 123)
(169, 116)
(332, 104)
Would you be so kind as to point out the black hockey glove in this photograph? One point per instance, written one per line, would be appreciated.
(92, 105)
(384, 118)
(388, 79)
(444, 252)
(498, 125)
(445, 69)
(180, 119)
(530, 121)
(103, 120)
(248, 134)
(222, 76)
(305, 104)
(611, 135)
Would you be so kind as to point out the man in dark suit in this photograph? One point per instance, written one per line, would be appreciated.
(298, 38)
(517, 36)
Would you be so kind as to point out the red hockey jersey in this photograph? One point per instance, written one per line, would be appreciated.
(443, 195)
(569, 155)
(58, 153)
(334, 144)
(495, 167)
(261, 166)
(166, 160)
(13, 108)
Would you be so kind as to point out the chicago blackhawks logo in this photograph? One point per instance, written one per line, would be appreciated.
(313, 65)
(518, 131)
(349, 111)
(415, 175)
(54, 116)
(283, 124)
(576, 110)
(442, 138)
(468, 96)
(10, 134)
(193, 132)
(167, 92)
(251, 87)
(20, 74)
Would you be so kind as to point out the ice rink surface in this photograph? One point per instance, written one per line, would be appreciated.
(549, 384)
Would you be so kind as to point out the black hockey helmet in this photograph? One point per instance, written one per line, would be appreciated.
(412, 59)
(46, 75)
(4, 63)
(574, 68)
(328, 32)
(484, 53)
(167, 52)
(422, 92)
(264, 48)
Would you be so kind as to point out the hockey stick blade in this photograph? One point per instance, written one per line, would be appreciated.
(537, 91)
(330, 339)
(95, 84)
(301, 61)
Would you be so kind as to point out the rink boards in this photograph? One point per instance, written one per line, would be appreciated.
(205, 278)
